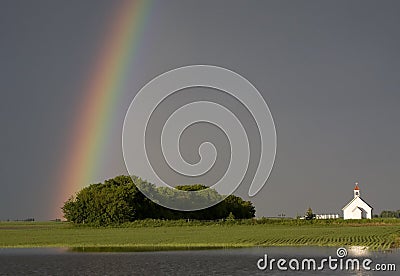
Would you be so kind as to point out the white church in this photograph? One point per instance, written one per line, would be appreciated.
(357, 208)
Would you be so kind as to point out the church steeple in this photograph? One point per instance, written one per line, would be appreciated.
(356, 190)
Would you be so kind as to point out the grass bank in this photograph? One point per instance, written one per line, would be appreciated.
(159, 235)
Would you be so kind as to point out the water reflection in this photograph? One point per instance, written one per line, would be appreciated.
(358, 251)
(139, 248)
(127, 261)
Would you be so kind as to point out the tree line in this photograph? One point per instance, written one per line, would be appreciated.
(390, 214)
(118, 200)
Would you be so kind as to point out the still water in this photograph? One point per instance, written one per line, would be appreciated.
(60, 261)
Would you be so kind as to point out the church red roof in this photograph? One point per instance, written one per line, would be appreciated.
(356, 187)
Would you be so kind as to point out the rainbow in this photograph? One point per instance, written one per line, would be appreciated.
(102, 92)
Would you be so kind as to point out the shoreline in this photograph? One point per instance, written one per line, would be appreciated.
(173, 248)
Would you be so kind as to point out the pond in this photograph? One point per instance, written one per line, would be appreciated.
(244, 261)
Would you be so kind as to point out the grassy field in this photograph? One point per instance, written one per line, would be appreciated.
(158, 235)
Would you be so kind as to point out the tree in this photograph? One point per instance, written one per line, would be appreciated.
(390, 214)
(309, 214)
(119, 200)
(230, 217)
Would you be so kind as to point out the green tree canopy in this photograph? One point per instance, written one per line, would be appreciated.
(390, 214)
(310, 214)
(118, 200)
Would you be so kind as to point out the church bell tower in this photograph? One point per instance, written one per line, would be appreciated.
(356, 190)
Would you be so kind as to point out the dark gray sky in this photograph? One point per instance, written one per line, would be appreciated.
(329, 72)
